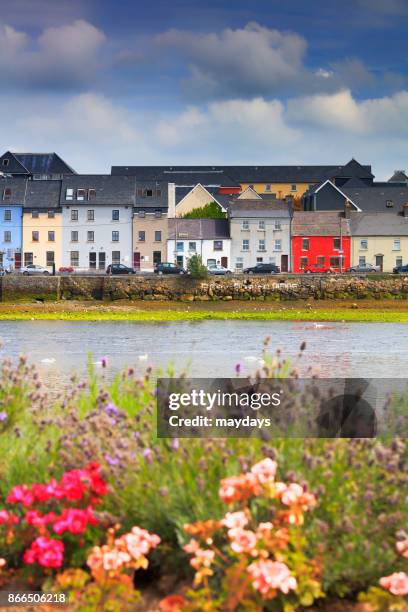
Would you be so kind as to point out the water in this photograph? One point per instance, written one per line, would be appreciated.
(209, 348)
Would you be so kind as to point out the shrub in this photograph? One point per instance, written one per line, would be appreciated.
(196, 268)
(209, 211)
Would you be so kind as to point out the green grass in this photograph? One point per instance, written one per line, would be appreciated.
(337, 314)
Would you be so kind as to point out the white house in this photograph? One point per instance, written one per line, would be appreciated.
(97, 213)
(208, 238)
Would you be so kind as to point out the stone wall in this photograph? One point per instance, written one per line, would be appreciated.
(14, 288)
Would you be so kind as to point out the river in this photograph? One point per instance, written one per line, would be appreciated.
(209, 348)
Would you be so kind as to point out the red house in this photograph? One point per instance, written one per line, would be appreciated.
(320, 239)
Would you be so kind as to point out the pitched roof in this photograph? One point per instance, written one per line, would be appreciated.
(187, 176)
(374, 199)
(34, 163)
(378, 224)
(198, 229)
(260, 209)
(43, 194)
(354, 169)
(324, 223)
(399, 176)
(18, 190)
(110, 190)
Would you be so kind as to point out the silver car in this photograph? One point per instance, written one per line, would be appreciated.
(217, 269)
(33, 269)
(364, 268)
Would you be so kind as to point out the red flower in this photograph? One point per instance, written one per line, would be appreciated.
(46, 552)
(21, 494)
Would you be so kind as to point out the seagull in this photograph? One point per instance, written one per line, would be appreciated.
(48, 360)
(143, 357)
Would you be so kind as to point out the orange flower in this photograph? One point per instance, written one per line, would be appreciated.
(172, 603)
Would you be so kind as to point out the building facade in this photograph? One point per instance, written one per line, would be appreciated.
(260, 233)
(12, 194)
(209, 238)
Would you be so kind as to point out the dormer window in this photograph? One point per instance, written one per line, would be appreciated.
(148, 193)
(6, 162)
(81, 193)
(69, 194)
(389, 203)
(7, 194)
(91, 194)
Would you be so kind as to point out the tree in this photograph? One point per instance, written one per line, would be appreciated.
(209, 211)
(196, 268)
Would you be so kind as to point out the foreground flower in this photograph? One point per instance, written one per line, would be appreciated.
(271, 576)
(397, 583)
(2, 563)
(46, 552)
(265, 471)
(235, 520)
(173, 603)
(402, 548)
(242, 540)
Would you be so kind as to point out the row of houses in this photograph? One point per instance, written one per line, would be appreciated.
(291, 216)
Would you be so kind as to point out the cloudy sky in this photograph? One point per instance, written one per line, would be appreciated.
(246, 82)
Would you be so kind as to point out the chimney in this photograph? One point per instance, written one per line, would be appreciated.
(405, 209)
(347, 209)
(171, 200)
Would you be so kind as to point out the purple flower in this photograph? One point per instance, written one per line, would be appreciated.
(238, 368)
(175, 444)
(3, 416)
(112, 410)
(111, 460)
(148, 455)
(104, 362)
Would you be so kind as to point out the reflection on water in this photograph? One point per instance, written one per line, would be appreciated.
(208, 348)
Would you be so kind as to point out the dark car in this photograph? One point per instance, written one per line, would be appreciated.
(263, 268)
(168, 268)
(401, 269)
(119, 269)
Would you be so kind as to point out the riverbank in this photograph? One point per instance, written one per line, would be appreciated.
(395, 311)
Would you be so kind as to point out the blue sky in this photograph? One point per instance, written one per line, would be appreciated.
(260, 82)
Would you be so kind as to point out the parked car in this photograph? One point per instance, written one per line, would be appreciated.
(219, 270)
(66, 269)
(364, 268)
(119, 269)
(33, 269)
(318, 269)
(168, 268)
(262, 268)
(401, 269)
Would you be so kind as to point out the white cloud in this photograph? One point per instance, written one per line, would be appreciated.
(61, 57)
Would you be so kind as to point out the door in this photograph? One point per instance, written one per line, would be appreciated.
(179, 260)
(284, 263)
(156, 257)
(17, 261)
(92, 260)
(136, 261)
(224, 262)
(102, 261)
(379, 261)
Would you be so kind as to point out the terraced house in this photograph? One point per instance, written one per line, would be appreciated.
(12, 196)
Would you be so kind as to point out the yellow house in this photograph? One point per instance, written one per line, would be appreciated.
(42, 237)
(380, 239)
(188, 199)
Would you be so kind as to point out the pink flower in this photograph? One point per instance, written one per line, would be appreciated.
(46, 552)
(21, 494)
(74, 520)
(235, 520)
(114, 559)
(7, 517)
(139, 542)
(265, 470)
(191, 547)
(402, 548)
(397, 583)
(2, 563)
(237, 488)
(291, 494)
(269, 576)
(202, 558)
(243, 541)
(264, 529)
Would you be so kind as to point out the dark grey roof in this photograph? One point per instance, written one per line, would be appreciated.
(198, 229)
(158, 199)
(231, 175)
(18, 190)
(43, 194)
(374, 199)
(399, 176)
(35, 163)
(240, 209)
(354, 169)
(324, 223)
(378, 224)
(110, 190)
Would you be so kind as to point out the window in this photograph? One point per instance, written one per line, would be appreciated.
(116, 257)
(74, 215)
(268, 187)
(1, 259)
(51, 236)
(261, 225)
(7, 194)
(305, 244)
(259, 260)
(239, 263)
(51, 214)
(6, 162)
(49, 258)
(245, 225)
(91, 194)
(115, 236)
(69, 194)
(303, 262)
(7, 236)
(261, 245)
(35, 214)
(389, 203)
(335, 262)
(211, 262)
(278, 225)
(74, 259)
(245, 245)
(320, 261)
(157, 236)
(293, 187)
(398, 261)
(156, 257)
(192, 246)
(336, 244)
(35, 236)
(90, 236)
(81, 193)
(148, 193)
(90, 215)
(362, 260)
(7, 215)
(180, 247)
(218, 246)
(92, 260)
(115, 215)
(396, 245)
(363, 245)
(278, 245)
(28, 259)
(74, 236)
(142, 236)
